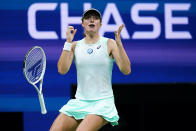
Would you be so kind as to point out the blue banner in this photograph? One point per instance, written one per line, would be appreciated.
(159, 38)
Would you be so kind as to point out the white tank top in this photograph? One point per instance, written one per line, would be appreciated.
(94, 70)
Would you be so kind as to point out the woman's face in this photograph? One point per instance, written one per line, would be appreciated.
(91, 23)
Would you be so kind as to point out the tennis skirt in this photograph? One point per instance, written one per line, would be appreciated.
(80, 108)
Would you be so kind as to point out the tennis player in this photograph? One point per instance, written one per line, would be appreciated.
(94, 56)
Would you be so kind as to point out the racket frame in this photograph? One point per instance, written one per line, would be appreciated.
(39, 90)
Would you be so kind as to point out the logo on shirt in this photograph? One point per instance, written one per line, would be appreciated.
(90, 51)
(98, 46)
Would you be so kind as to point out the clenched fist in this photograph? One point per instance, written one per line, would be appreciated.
(70, 33)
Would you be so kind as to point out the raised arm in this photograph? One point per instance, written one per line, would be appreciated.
(119, 54)
(67, 56)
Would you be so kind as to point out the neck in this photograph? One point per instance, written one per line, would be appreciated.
(91, 38)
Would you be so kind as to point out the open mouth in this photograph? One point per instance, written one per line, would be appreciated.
(91, 25)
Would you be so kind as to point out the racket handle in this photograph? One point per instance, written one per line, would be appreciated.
(42, 103)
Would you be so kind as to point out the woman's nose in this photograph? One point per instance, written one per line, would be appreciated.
(91, 19)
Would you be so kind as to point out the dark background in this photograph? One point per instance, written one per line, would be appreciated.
(141, 107)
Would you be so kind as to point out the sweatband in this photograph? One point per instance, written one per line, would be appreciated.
(67, 46)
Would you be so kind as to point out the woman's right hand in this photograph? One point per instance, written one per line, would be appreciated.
(70, 33)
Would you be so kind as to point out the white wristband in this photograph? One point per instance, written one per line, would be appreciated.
(67, 46)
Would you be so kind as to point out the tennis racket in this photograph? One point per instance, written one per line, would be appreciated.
(34, 67)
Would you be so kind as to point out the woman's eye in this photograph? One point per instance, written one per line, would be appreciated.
(96, 17)
(87, 17)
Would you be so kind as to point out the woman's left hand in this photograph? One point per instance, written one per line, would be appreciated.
(117, 35)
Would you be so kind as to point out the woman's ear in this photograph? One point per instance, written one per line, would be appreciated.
(82, 24)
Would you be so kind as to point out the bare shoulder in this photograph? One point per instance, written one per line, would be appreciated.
(111, 41)
(111, 44)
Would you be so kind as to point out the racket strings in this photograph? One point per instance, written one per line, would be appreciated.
(34, 64)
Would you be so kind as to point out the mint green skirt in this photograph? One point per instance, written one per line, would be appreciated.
(80, 108)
